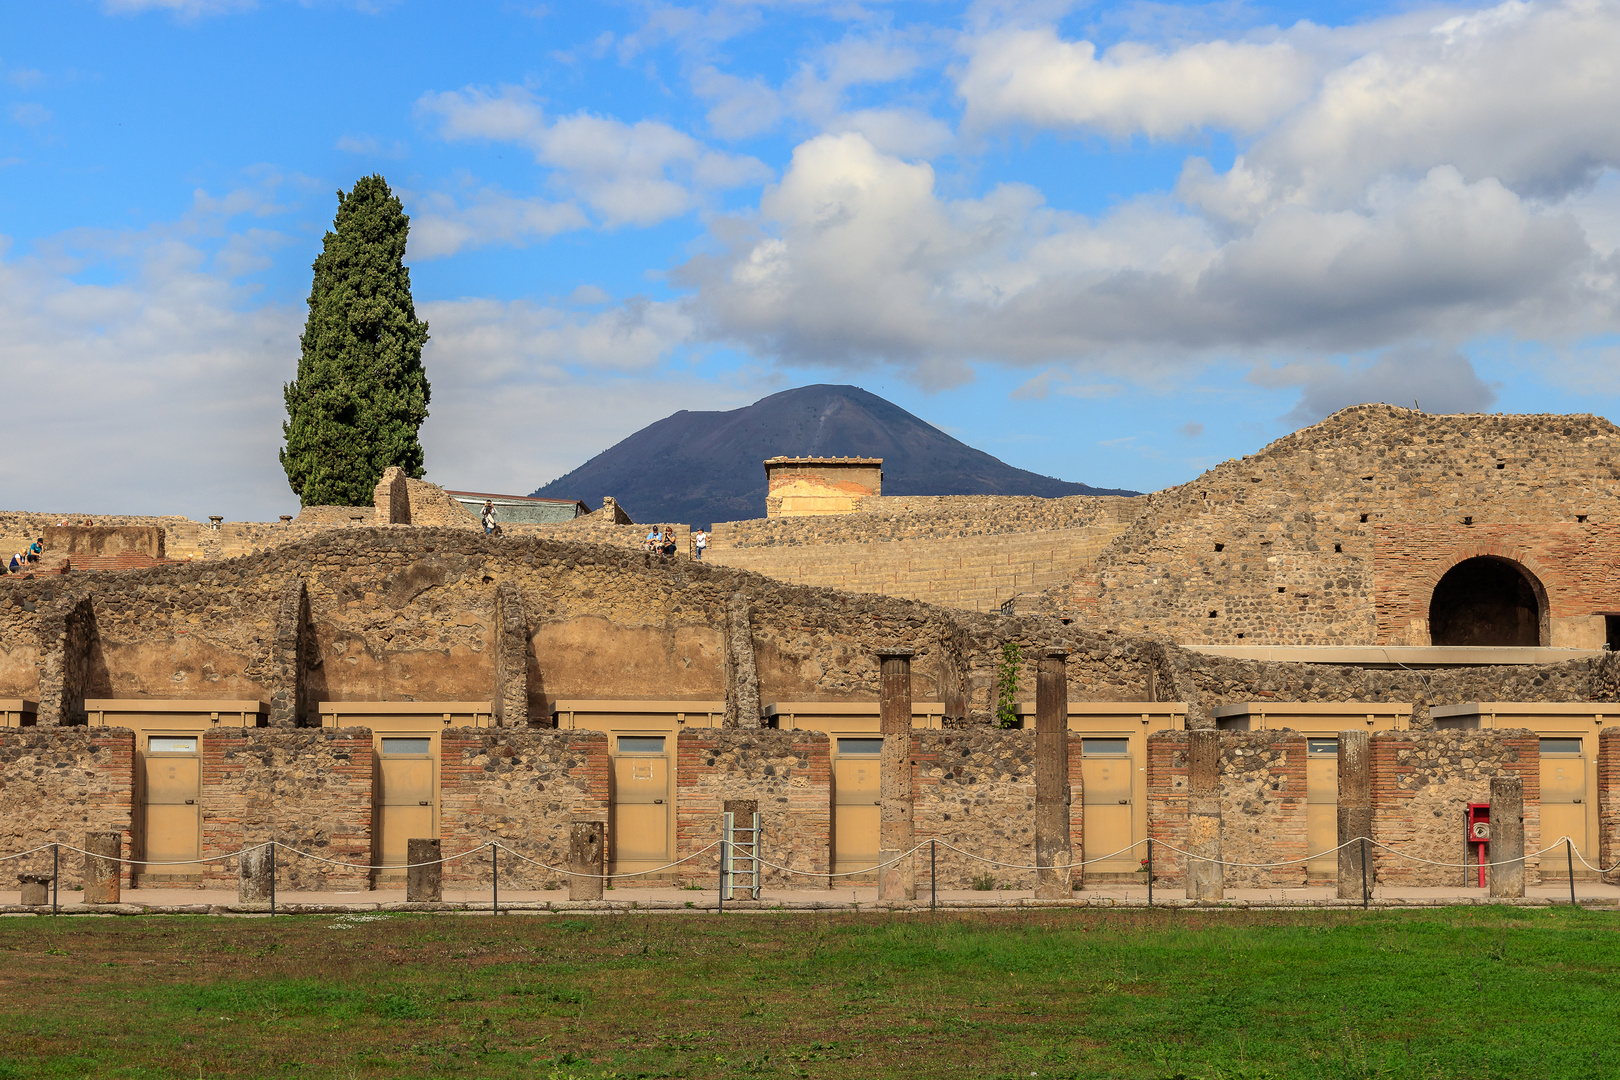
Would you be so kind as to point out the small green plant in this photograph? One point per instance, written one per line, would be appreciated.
(985, 883)
(1007, 685)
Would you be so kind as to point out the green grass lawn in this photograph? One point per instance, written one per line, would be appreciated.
(1461, 993)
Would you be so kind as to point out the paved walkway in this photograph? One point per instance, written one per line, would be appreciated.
(224, 902)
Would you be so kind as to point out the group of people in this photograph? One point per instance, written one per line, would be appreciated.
(30, 554)
(662, 541)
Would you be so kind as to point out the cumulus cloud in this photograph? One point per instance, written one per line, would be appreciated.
(858, 259)
(1031, 76)
(442, 225)
(30, 114)
(523, 392)
(183, 8)
(1435, 380)
(1522, 94)
(629, 174)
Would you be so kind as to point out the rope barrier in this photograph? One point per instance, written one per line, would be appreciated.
(605, 877)
(498, 846)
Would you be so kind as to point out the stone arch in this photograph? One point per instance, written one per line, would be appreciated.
(1488, 598)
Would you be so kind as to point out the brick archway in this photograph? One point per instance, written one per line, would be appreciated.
(1488, 594)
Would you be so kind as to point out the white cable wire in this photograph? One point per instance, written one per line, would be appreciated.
(631, 873)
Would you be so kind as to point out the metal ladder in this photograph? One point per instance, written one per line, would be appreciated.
(739, 871)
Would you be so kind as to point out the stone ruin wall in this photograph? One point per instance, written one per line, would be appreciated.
(55, 786)
(968, 551)
(407, 614)
(787, 774)
(1278, 515)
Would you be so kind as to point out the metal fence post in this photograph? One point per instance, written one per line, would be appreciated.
(1150, 870)
(1569, 860)
(1363, 873)
(933, 875)
(56, 877)
(495, 877)
(272, 879)
(722, 876)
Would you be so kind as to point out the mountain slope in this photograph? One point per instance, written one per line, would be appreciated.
(701, 467)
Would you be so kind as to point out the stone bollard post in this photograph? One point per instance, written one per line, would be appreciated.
(424, 877)
(101, 867)
(1205, 877)
(35, 889)
(587, 854)
(1052, 846)
(255, 875)
(1507, 836)
(1355, 811)
(899, 880)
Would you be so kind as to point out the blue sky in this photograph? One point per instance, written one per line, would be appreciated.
(1115, 243)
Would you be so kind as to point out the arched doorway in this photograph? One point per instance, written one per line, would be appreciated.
(1488, 601)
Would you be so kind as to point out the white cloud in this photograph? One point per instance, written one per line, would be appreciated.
(629, 174)
(859, 260)
(30, 114)
(160, 393)
(740, 108)
(184, 8)
(1435, 380)
(371, 146)
(441, 225)
(1031, 76)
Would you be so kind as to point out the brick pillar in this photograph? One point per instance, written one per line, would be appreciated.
(1355, 811)
(424, 877)
(255, 871)
(101, 866)
(587, 854)
(899, 881)
(511, 697)
(1608, 796)
(1204, 876)
(1052, 778)
(1507, 836)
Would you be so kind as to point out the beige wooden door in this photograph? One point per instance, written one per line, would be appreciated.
(1322, 807)
(1563, 802)
(857, 802)
(1106, 772)
(172, 786)
(642, 805)
(405, 798)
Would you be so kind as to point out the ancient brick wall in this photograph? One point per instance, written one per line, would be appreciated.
(1422, 783)
(787, 773)
(1573, 561)
(56, 784)
(310, 789)
(1167, 789)
(1263, 807)
(521, 788)
(975, 789)
(1281, 546)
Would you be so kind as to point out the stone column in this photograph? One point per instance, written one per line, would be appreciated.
(424, 877)
(1355, 811)
(288, 656)
(1052, 808)
(899, 881)
(511, 698)
(1507, 836)
(742, 674)
(255, 871)
(1205, 878)
(67, 644)
(101, 867)
(587, 854)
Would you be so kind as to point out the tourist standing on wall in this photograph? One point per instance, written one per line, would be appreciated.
(700, 540)
(489, 516)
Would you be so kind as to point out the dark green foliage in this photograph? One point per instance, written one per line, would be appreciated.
(361, 392)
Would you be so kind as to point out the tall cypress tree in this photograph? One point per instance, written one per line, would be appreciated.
(361, 392)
